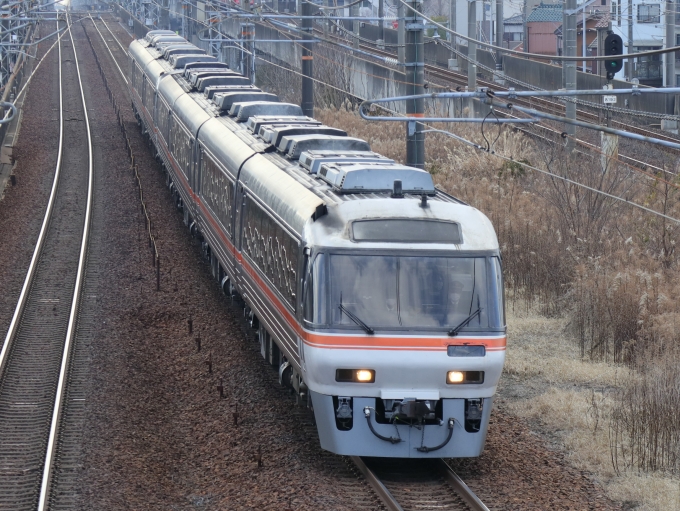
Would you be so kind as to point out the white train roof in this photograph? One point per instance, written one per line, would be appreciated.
(310, 172)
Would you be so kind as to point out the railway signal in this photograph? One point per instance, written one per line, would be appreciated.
(613, 46)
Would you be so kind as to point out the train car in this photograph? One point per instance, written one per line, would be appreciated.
(377, 297)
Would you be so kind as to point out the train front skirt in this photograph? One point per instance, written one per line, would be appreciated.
(445, 438)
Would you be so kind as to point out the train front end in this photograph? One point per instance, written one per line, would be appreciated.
(404, 328)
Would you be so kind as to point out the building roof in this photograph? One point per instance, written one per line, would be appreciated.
(513, 20)
(604, 21)
(546, 12)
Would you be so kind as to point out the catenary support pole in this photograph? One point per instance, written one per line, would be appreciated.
(307, 61)
(631, 69)
(415, 78)
(500, 28)
(569, 67)
(669, 74)
(525, 27)
(401, 33)
(327, 22)
(452, 24)
(381, 23)
(472, 47)
(356, 24)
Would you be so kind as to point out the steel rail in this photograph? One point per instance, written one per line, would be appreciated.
(14, 324)
(109, 49)
(390, 502)
(114, 36)
(461, 488)
(61, 386)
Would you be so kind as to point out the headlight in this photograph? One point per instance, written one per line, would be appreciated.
(355, 375)
(454, 377)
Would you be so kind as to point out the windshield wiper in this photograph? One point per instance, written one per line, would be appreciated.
(356, 320)
(454, 331)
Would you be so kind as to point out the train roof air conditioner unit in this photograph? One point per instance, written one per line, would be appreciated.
(212, 90)
(205, 66)
(312, 160)
(225, 79)
(225, 100)
(275, 135)
(256, 122)
(376, 178)
(297, 144)
(169, 51)
(179, 61)
(244, 110)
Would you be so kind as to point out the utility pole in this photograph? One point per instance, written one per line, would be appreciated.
(631, 72)
(500, 28)
(381, 24)
(472, 46)
(327, 22)
(670, 42)
(452, 24)
(185, 28)
(401, 33)
(453, 61)
(248, 52)
(307, 61)
(569, 66)
(415, 78)
(525, 27)
(354, 13)
(668, 124)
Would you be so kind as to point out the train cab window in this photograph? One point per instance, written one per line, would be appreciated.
(496, 290)
(314, 298)
(406, 292)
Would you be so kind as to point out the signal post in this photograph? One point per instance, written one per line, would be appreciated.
(613, 47)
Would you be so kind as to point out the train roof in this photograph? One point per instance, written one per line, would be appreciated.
(301, 170)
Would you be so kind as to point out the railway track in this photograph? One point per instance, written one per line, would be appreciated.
(418, 484)
(37, 353)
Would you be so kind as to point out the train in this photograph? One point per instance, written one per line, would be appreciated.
(377, 297)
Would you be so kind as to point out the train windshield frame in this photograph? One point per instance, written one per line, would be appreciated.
(404, 290)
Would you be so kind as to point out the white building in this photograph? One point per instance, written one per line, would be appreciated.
(649, 32)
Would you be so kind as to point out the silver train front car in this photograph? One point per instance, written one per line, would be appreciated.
(377, 298)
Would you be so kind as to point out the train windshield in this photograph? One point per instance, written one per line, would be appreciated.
(395, 292)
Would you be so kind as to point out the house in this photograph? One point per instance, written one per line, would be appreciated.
(542, 23)
(513, 31)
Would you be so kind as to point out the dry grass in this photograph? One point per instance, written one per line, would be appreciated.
(543, 347)
(580, 419)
